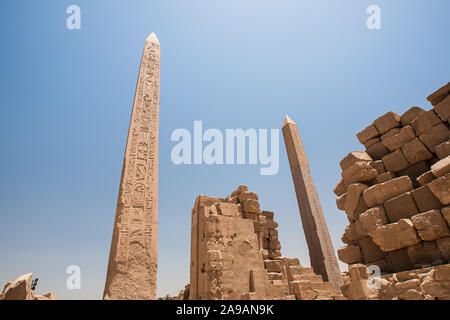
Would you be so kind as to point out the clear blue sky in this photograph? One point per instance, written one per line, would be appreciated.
(66, 99)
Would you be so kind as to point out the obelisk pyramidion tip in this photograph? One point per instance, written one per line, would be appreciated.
(152, 38)
(287, 120)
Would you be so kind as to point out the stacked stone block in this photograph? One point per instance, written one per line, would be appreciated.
(431, 283)
(236, 254)
(396, 193)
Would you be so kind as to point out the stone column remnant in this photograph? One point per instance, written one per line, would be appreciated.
(133, 257)
(321, 252)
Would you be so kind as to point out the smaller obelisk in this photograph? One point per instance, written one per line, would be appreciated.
(321, 252)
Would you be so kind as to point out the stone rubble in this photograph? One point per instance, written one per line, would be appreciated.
(430, 283)
(20, 289)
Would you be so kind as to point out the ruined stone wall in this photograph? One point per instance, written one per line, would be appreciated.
(235, 254)
(396, 193)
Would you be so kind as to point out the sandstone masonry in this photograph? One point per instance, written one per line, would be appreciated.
(396, 196)
(235, 254)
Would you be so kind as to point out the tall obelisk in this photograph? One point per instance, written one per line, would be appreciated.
(133, 258)
(321, 252)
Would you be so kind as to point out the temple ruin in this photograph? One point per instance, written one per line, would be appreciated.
(236, 254)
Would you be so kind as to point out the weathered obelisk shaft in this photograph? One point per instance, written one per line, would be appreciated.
(133, 258)
(321, 252)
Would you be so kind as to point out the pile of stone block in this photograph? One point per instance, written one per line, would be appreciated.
(430, 283)
(236, 254)
(396, 193)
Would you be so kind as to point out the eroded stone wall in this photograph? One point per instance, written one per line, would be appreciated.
(236, 254)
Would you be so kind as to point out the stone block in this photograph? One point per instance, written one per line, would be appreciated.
(439, 94)
(435, 136)
(371, 219)
(239, 190)
(433, 160)
(272, 224)
(205, 201)
(386, 122)
(395, 161)
(395, 236)
(443, 245)
(228, 209)
(398, 260)
(251, 206)
(425, 199)
(364, 176)
(350, 235)
(385, 177)
(436, 290)
(353, 157)
(406, 275)
(424, 122)
(370, 251)
(442, 109)
(382, 264)
(400, 207)
(441, 168)
(441, 189)
(441, 273)
(390, 133)
(273, 234)
(430, 225)
(411, 114)
(340, 201)
(425, 178)
(340, 188)
(446, 214)
(244, 196)
(274, 245)
(350, 254)
(424, 252)
(415, 171)
(378, 165)
(377, 151)
(380, 193)
(353, 169)
(273, 265)
(358, 272)
(275, 276)
(362, 207)
(415, 151)
(274, 254)
(354, 192)
(371, 142)
(368, 133)
(442, 150)
(268, 215)
(396, 141)
(360, 228)
(409, 290)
